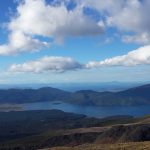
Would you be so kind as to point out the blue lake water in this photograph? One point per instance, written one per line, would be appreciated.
(99, 111)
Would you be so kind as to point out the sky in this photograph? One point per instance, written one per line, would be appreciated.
(63, 41)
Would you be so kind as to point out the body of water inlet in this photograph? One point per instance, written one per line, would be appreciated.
(93, 111)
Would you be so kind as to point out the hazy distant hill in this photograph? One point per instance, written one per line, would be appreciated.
(134, 96)
(32, 95)
(140, 92)
(72, 87)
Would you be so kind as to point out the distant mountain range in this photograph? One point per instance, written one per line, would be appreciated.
(134, 96)
(72, 87)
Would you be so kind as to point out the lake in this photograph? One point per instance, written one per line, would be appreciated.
(93, 111)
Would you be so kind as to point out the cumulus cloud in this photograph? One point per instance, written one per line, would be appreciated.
(135, 57)
(61, 64)
(48, 63)
(142, 38)
(126, 16)
(19, 42)
(37, 18)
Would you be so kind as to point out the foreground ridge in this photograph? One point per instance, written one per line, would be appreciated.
(119, 146)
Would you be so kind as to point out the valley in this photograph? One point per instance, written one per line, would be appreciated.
(35, 119)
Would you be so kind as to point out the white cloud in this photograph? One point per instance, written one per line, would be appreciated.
(126, 16)
(135, 57)
(61, 64)
(129, 18)
(19, 42)
(142, 38)
(51, 63)
(102, 5)
(37, 18)
(53, 20)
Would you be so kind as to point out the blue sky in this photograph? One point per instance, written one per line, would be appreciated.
(74, 41)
